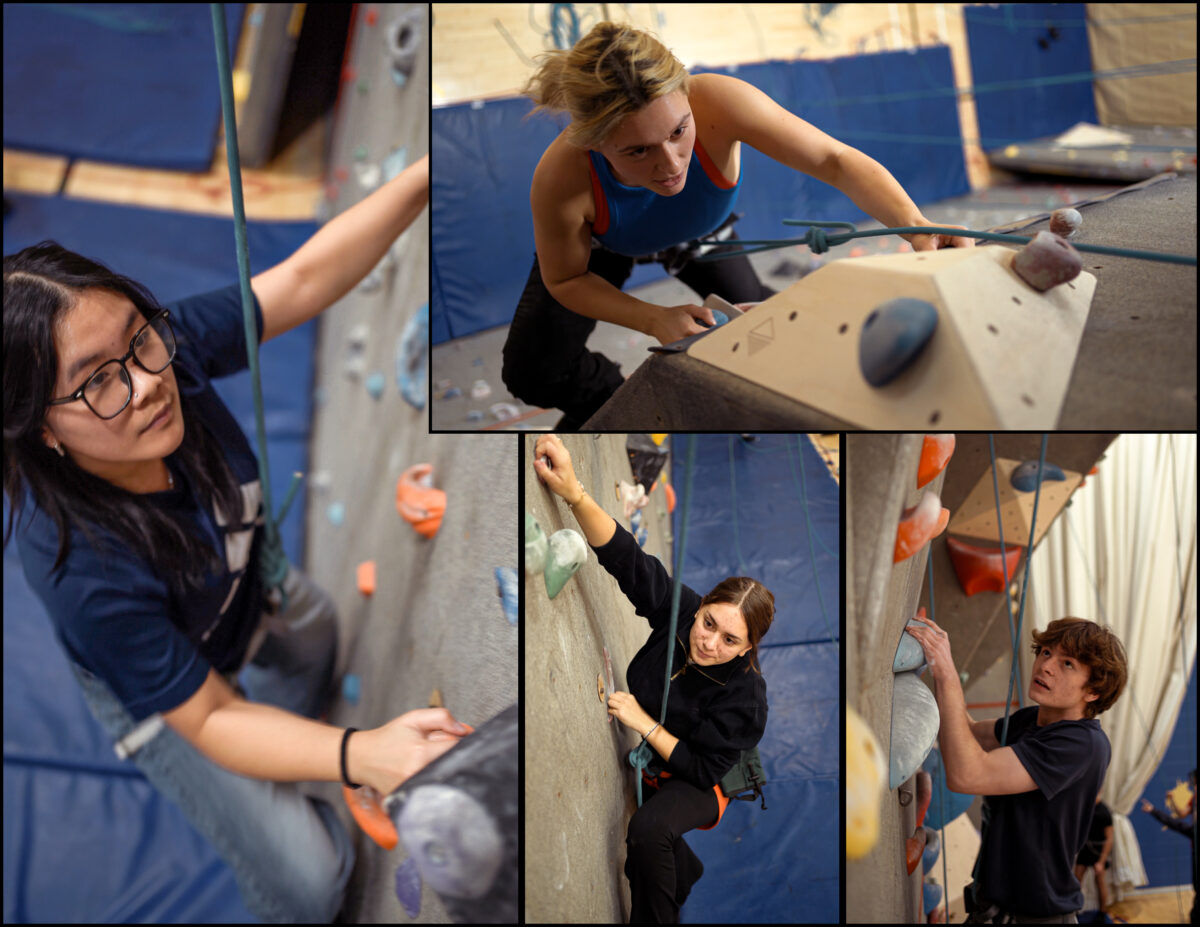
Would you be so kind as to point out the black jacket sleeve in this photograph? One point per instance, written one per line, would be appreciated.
(643, 579)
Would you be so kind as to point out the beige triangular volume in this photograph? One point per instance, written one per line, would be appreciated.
(1000, 358)
(976, 517)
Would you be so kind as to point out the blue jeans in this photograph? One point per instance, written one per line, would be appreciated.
(290, 854)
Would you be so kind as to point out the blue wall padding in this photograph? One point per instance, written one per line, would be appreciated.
(898, 107)
(766, 536)
(86, 838)
(160, 108)
(1166, 854)
(1003, 43)
(781, 864)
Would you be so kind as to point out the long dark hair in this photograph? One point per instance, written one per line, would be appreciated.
(41, 283)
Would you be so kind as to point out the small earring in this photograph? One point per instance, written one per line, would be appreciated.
(58, 447)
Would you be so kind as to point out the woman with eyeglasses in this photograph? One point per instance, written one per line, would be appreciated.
(136, 504)
(716, 706)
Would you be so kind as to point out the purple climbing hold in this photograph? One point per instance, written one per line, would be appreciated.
(1047, 261)
(408, 886)
(892, 336)
(1025, 477)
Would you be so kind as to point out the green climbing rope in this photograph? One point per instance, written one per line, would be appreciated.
(273, 562)
(640, 756)
(820, 242)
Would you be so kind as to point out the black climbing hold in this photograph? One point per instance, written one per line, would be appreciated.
(892, 336)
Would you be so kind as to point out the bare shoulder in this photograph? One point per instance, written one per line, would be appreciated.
(562, 183)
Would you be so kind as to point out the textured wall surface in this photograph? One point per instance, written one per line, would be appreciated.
(578, 784)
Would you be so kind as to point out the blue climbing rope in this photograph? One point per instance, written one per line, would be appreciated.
(1024, 589)
(819, 242)
(273, 562)
(640, 756)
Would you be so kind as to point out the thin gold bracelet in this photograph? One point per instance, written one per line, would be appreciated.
(582, 493)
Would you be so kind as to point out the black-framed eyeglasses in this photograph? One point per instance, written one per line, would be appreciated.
(108, 389)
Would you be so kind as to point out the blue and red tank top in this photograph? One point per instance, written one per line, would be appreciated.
(635, 221)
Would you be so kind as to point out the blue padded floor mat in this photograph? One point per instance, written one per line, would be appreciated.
(86, 838)
(753, 504)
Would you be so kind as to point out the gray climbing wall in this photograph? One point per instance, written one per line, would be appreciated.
(435, 619)
(579, 791)
(881, 480)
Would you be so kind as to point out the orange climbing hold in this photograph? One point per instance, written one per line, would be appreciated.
(914, 847)
(935, 454)
(418, 502)
(919, 525)
(368, 811)
(981, 569)
(670, 497)
(366, 578)
(924, 792)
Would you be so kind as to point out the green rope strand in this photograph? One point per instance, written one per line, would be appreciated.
(819, 242)
(273, 562)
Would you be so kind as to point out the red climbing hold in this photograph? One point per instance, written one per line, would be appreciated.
(980, 569)
(418, 502)
(924, 794)
(1046, 261)
(918, 525)
(935, 454)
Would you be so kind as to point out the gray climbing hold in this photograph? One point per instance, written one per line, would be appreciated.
(536, 546)
(1046, 261)
(892, 337)
(909, 654)
(915, 722)
(1025, 479)
(567, 553)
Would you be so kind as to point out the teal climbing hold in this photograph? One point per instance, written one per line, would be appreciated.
(374, 384)
(909, 654)
(567, 553)
(412, 352)
(893, 336)
(1025, 477)
(351, 688)
(535, 546)
(915, 722)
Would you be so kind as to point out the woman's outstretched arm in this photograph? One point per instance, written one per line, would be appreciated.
(559, 476)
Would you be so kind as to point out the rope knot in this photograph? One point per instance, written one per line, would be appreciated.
(816, 240)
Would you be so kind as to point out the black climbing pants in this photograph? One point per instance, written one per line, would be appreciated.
(660, 866)
(546, 361)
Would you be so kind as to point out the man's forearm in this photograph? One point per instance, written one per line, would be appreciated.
(349, 245)
(873, 190)
(264, 742)
(593, 297)
(961, 752)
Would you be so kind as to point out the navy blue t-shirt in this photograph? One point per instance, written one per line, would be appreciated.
(112, 612)
(1032, 839)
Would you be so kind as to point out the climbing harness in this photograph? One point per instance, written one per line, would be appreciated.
(819, 242)
(676, 257)
(273, 562)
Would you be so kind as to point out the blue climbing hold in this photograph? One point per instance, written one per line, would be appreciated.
(953, 803)
(408, 886)
(374, 384)
(720, 317)
(336, 513)
(506, 580)
(1025, 478)
(932, 893)
(351, 688)
(933, 849)
(412, 353)
(892, 336)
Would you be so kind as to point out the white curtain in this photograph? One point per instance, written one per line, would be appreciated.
(1124, 555)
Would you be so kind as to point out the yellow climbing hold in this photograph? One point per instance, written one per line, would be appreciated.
(866, 772)
(658, 439)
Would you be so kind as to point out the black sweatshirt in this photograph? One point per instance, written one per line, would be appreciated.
(715, 711)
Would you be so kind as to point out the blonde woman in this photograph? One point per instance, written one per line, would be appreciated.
(650, 163)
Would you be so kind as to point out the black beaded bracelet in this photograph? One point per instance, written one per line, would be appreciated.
(346, 778)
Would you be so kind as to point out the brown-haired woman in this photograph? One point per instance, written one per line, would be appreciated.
(717, 706)
(651, 164)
